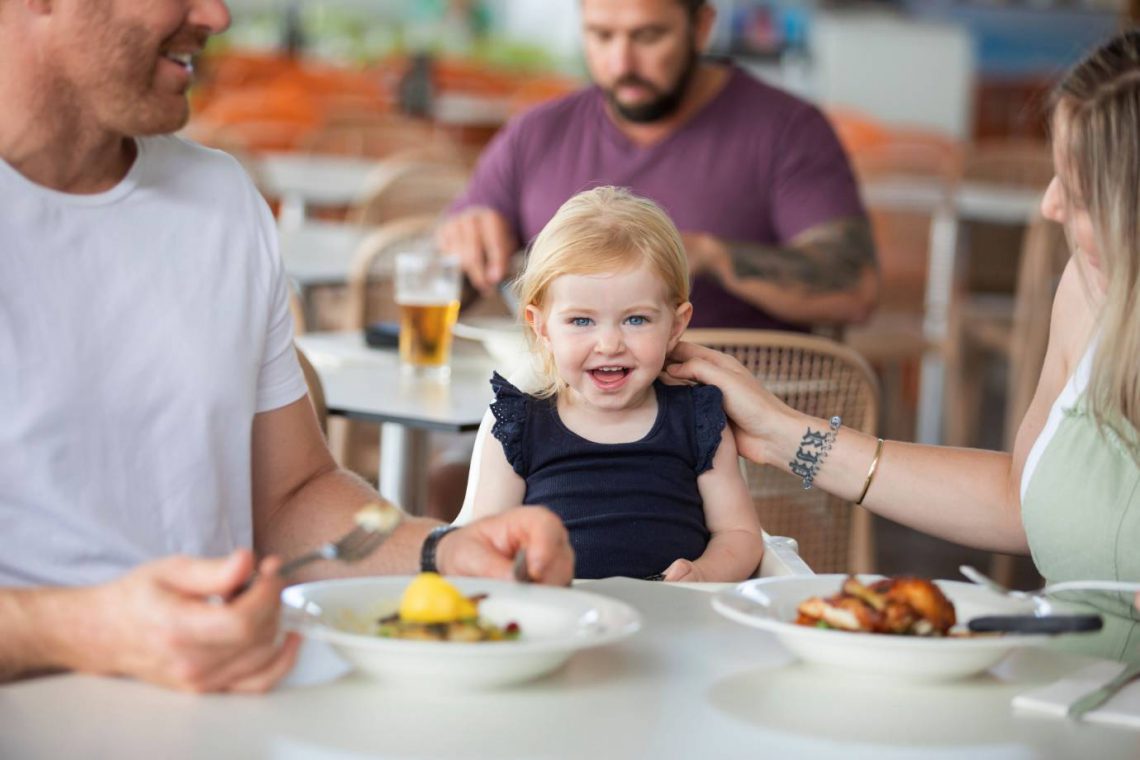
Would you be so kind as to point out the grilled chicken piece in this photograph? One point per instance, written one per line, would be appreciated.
(925, 598)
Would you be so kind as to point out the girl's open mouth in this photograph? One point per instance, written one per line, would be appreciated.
(609, 378)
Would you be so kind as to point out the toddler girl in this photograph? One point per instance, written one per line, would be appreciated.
(643, 474)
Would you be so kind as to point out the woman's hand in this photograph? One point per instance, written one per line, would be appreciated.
(759, 419)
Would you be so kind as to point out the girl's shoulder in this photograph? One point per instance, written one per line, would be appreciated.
(703, 415)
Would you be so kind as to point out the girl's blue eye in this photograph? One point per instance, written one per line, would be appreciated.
(637, 320)
(580, 321)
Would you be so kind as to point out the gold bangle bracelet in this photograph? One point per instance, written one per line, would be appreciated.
(871, 472)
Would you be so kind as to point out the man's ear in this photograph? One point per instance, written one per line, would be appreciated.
(703, 25)
(537, 321)
(681, 318)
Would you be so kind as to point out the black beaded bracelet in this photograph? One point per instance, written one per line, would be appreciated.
(427, 553)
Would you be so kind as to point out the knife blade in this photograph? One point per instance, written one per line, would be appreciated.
(1045, 624)
(1095, 699)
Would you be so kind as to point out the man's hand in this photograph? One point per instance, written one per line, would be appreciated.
(487, 547)
(159, 624)
(484, 243)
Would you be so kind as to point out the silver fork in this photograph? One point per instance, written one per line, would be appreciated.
(984, 580)
(354, 546)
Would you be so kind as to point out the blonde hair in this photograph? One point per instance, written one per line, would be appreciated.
(1099, 101)
(599, 231)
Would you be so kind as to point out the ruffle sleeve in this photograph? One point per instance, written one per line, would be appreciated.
(708, 411)
(510, 410)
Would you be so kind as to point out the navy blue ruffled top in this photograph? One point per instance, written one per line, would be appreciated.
(631, 508)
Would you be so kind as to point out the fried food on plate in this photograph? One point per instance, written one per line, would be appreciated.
(902, 606)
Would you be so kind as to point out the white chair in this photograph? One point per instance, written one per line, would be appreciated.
(781, 554)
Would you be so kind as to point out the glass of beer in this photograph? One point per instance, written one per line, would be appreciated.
(427, 293)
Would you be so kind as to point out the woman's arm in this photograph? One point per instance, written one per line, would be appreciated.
(963, 495)
(498, 487)
(737, 544)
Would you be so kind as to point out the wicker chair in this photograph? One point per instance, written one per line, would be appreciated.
(820, 377)
(370, 293)
(399, 189)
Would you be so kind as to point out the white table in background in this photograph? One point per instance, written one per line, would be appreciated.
(690, 684)
(318, 252)
(949, 208)
(303, 180)
(368, 384)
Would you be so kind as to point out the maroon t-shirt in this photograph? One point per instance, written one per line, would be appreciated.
(756, 164)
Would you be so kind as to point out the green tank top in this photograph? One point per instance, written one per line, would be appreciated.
(1080, 507)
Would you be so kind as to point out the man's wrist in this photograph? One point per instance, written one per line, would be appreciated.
(39, 623)
(429, 552)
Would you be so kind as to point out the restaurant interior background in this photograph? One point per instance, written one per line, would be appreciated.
(945, 91)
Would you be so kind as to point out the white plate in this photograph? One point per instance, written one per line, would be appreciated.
(770, 604)
(502, 338)
(555, 623)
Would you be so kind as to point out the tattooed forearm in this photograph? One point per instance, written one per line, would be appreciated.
(828, 258)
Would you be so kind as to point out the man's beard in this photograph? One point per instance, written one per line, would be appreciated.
(664, 105)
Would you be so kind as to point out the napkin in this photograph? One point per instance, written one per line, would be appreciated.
(1122, 709)
(317, 663)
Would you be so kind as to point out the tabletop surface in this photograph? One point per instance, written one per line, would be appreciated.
(318, 180)
(689, 684)
(368, 384)
(319, 252)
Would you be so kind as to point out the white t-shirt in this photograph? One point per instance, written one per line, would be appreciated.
(141, 329)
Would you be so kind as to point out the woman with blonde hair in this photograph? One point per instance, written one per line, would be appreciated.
(1070, 492)
(644, 475)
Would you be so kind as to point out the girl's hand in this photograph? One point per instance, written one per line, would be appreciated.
(683, 570)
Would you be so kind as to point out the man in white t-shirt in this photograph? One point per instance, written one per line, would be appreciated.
(154, 414)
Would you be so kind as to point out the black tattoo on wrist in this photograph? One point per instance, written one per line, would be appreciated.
(813, 449)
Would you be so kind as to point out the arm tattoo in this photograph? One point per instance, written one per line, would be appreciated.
(828, 258)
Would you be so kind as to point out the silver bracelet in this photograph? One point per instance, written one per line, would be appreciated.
(813, 449)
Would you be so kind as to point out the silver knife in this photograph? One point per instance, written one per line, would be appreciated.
(1095, 699)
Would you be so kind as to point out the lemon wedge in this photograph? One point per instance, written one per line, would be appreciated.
(431, 599)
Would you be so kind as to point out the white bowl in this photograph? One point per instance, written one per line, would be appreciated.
(555, 623)
(770, 604)
(502, 337)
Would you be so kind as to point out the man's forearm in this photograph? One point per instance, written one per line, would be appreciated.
(828, 273)
(323, 509)
(34, 623)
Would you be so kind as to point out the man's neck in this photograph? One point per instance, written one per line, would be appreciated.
(707, 82)
(46, 137)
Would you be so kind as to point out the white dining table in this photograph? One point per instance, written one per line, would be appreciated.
(949, 206)
(305, 180)
(368, 384)
(690, 684)
(317, 252)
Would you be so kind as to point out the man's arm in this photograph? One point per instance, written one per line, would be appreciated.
(156, 623)
(301, 499)
(826, 274)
